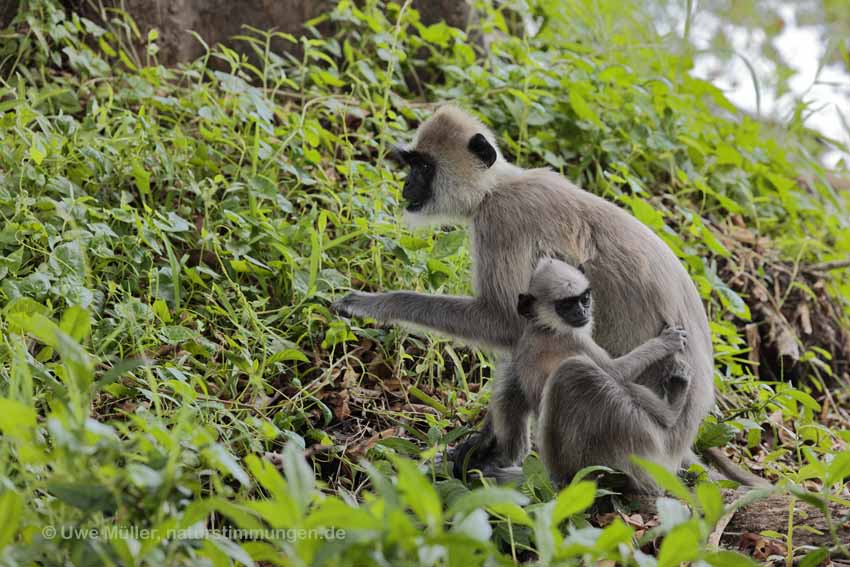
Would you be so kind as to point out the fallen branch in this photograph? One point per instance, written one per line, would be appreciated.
(827, 266)
(811, 526)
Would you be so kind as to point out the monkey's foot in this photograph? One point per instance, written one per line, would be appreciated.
(482, 451)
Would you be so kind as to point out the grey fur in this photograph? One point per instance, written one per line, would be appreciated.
(591, 410)
(515, 217)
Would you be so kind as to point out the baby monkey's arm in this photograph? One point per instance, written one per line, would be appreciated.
(629, 366)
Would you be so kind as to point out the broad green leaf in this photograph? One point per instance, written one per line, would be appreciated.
(582, 109)
(730, 559)
(664, 478)
(512, 512)
(37, 150)
(839, 468)
(16, 419)
(227, 463)
(572, 500)
(87, 496)
(11, 511)
(438, 33)
(76, 323)
(142, 178)
(299, 475)
(710, 500)
(419, 493)
(614, 534)
(288, 354)
(485, 497)
(680, 545)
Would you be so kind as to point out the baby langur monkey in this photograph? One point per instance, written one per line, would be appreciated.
(591, 411)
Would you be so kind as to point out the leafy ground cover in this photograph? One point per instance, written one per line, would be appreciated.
(172, 239)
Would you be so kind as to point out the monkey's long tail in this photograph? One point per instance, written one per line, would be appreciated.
(728, 470)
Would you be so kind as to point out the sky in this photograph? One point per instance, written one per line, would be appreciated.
(828, 89)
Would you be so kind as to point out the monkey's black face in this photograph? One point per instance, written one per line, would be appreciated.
(575, 311)
(418, 187)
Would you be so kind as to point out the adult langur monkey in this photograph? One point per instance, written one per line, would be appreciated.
(515, 217)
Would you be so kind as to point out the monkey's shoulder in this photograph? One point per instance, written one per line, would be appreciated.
(534, 198)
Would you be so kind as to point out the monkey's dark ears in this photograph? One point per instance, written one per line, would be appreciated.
(581, 268)
(525, 305)
(482, 149)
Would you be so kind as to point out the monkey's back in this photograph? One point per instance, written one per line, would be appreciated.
(638, 283)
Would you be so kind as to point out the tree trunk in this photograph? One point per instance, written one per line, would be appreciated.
(218, 20)
(8, 9)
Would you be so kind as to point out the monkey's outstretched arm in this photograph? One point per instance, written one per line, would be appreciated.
(630, 366)
(468, 318)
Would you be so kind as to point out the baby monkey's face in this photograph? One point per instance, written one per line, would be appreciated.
(558, 298)
(575, 311)
(561, 315)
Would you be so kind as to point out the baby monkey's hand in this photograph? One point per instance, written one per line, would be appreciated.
(675, 338)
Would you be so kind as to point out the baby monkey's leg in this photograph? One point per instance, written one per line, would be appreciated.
(588, 417)
(652, 366)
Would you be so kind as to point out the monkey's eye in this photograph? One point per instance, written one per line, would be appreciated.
(585, 297)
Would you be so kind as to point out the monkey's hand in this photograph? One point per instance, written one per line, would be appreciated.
(357, 303)
(675, 338)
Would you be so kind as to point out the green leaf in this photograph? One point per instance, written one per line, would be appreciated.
(710, 500)
(419, 494)
(37, 325)
(16, 419)
(813, 559)
(729, 559)
(484, 497)
(142, 177)
(802, 397)
(839, 468)
(37, 151)
(475, 525)
(288, 354)
(713, 434)
(226, 462)
(680, 545)
(582, 109)
(428, 400)
(449, 243)
(438, 33)
(298, 474)
(76, 323)
(614, 534)
(87, 496)
(728, 155)
(334, 513)
(664, 478)
(11, 511)
(671, 513)
(512, 512)
(572, 500)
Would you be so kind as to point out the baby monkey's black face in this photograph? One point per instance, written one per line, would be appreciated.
(574, 311)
